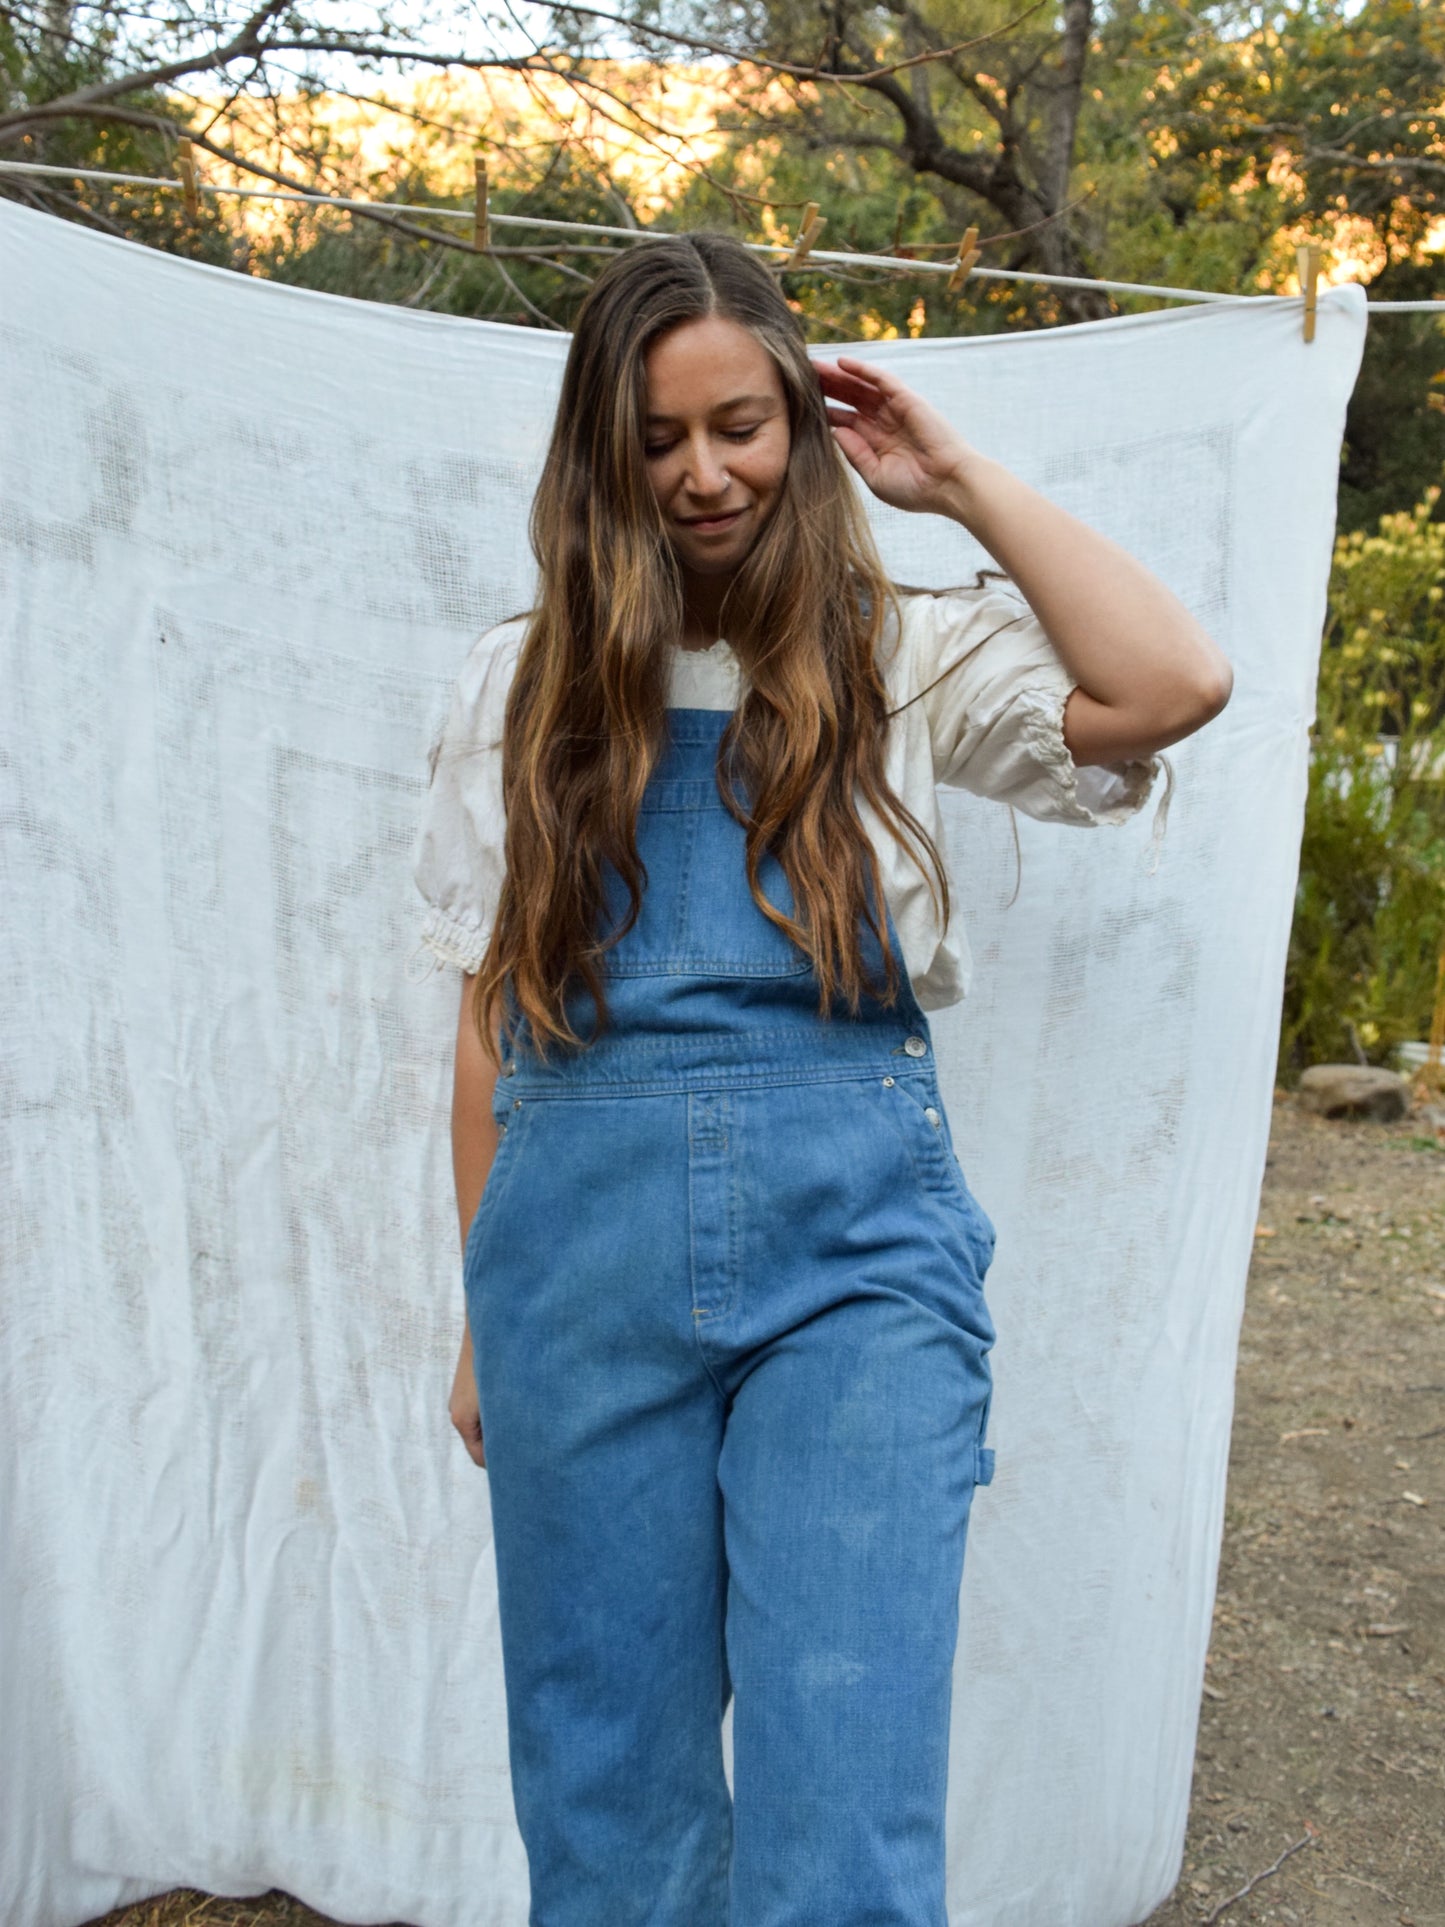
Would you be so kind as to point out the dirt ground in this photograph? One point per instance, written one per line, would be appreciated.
(1324, 1710)
(1319, 1779)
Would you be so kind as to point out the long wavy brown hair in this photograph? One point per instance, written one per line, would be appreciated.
(585, 718)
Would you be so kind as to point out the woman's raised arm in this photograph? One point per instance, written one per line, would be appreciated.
(1147, 672)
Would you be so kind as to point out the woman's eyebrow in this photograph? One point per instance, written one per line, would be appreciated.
(723, 407)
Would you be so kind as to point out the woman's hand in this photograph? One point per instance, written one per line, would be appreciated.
(465, 1409)
(904, 449)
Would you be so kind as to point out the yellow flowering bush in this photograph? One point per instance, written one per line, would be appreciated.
(1370, 908)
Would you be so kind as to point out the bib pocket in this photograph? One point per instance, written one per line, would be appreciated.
(691, 923)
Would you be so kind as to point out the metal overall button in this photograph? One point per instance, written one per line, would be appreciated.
(915, 1046)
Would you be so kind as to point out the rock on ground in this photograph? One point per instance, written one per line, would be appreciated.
(1354, 1090)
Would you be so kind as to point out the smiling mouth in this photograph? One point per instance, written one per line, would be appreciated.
(712, 523)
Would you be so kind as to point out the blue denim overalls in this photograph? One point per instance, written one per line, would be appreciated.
(725, 1288)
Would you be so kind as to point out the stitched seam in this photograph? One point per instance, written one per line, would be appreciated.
(705, 1078)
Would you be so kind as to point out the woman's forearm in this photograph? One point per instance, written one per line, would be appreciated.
(474, 1130)
(1148, 674)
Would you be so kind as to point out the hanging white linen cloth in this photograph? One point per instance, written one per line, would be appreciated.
(247, 535)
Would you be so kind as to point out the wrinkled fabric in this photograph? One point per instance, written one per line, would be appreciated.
(248, 534)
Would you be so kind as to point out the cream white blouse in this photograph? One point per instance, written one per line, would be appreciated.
(990, 689)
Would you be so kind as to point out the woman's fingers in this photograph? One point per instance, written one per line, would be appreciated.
(872, 372)
(467, 1422)
(464, 1406)
(858, 453)
(887, 432)
(877, 383)
(851, 389)
(469, 1429)
(855, 443)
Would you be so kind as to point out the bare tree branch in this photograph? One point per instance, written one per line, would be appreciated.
(849, 89)
(251, 42)
(1067, 94)
(246, 42)
(815, 70)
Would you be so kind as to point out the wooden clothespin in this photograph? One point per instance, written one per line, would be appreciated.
(482, 230)
(1309, 259)
(967, 255)
(186, 168)
(809, 229)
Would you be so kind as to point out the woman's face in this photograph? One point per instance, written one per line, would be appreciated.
(716, 439)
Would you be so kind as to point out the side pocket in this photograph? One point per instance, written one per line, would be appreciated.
(983, 1455)
(508, 1114)
(931, 1145)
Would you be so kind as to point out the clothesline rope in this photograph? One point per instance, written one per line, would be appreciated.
(893, 262)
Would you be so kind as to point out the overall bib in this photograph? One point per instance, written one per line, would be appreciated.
(725, 1288)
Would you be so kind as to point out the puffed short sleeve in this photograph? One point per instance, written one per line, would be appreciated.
(994, 688)
(459, 855)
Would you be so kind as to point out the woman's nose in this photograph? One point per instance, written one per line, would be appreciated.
(705, 472)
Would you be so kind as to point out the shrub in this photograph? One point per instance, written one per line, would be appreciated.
(1369, 919)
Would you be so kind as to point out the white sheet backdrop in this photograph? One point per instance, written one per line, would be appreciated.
(247, 1597)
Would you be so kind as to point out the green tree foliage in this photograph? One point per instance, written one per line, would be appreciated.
(1369, 921)
(869, 210)
(105, 86)
(1209, 142)
(1320, 112)
(1216, 137)
(973, 103)
(41, 61)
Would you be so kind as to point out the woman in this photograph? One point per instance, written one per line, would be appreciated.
(726, 1345)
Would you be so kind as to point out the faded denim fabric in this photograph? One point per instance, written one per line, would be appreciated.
(725, 1286)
